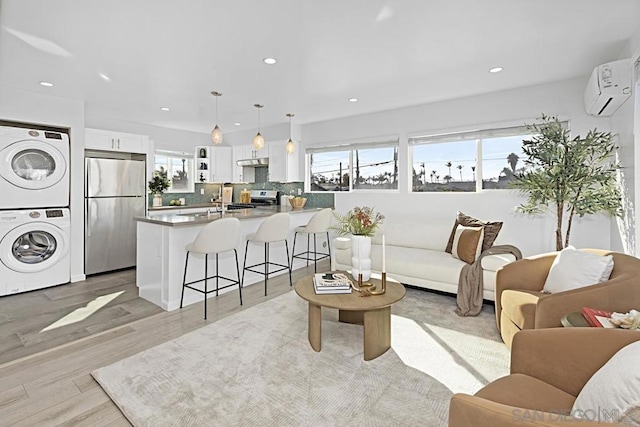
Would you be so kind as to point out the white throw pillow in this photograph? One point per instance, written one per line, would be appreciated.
(573, 269)
(614, 390)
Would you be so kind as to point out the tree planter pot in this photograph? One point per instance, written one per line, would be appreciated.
(157, 200)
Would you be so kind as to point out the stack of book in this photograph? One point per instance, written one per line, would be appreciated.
(331, 283)
(597, 318)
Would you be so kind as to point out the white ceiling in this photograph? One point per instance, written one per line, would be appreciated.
(387, 53)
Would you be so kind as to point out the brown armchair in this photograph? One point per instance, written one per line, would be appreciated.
(549, 368)
(521, 304)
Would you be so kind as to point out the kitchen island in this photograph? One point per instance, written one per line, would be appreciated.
(161, 242)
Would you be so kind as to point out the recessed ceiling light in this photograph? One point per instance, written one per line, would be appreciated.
(104, 77)
(164, 108)
(46, 84)
(353, 99)
(269, 61)
(237, 123)
(495, 70)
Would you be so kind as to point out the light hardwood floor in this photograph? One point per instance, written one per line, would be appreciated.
(55, 387)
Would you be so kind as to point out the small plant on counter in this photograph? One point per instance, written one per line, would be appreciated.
(359, 221)
(159, 183)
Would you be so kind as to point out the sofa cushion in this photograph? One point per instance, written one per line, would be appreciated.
(491, 230)
(614, 388)
(573, 269)
(523, 391)
(422, 263)
(494, 262)
(467, 243)
(520, 306)
(425, 235)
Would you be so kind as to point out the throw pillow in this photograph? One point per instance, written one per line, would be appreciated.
(613, 389)
(491, 230)
(467, 243)
(573, 269)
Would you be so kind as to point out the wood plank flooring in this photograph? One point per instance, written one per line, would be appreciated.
(46, 318)
(54, 387)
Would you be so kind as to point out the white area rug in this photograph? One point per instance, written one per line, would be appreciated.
(256, 367)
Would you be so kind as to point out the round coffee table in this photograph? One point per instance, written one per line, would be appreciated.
(373, 312)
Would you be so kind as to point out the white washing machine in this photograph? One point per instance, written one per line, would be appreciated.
(34, 168)
(34, 249)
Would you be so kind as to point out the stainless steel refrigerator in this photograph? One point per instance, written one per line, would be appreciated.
(115, 192)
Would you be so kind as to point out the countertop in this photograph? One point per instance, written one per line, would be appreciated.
(195, 205)
(179, 220)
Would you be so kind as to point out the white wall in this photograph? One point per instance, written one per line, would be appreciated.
(37, 108)
(516, 107)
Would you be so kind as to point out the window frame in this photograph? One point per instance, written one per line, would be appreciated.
(351, 147)
(190, 170)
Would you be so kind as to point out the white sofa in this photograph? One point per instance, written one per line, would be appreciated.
(415, 255)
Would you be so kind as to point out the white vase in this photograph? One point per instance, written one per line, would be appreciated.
(361, 257)
(157, 200)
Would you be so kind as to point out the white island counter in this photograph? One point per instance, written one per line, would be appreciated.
(161, 242)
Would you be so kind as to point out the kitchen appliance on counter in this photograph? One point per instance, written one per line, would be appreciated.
(115, 191)
(34, 249)
(258, 198)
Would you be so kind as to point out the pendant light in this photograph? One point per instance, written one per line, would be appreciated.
(258, 140)
(290, 147)
(216, 133)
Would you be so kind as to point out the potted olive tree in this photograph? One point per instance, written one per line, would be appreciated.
(568, 176)
(158, 185)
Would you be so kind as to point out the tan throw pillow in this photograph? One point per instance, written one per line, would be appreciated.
(467, 242)
(491, 230)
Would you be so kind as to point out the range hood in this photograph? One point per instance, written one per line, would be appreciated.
(254, 162)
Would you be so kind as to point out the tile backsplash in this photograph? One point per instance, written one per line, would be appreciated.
(319, 200)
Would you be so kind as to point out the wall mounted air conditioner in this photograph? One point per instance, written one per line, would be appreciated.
(608, 88)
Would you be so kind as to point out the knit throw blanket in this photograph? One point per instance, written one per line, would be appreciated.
(470, 284)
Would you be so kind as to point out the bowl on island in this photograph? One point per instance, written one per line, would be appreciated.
(297, 202)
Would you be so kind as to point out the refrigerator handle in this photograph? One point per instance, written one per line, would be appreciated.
(88, 218)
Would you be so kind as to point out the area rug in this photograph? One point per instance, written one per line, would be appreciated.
(256, 367)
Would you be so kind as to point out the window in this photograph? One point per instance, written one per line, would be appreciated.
(373, 166)
(450, 162)
(178, 167)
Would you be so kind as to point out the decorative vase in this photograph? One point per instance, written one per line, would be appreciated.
(157, 200)
(361, 257)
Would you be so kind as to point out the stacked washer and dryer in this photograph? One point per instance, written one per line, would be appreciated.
(35, 222)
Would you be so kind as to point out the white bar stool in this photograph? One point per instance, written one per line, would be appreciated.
(273, 229)
(222, 235)
(318, 224)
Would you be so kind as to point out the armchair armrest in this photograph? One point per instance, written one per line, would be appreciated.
(527, 273)
(465, 411)
(566, 357)
(620, 294)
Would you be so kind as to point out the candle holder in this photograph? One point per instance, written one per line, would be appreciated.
(362, 284)
(383, 286)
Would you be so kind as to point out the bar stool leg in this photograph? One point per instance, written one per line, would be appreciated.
(315, 254)
(206, 265)
(217, 275)
(293, 252)
(184, 278)
(266, 266)
(238, 271)
(244, 264)
(329, 246)
(307, 250)
(286, 245)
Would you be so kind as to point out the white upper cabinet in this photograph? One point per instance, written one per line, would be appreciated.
(213, 164)
(283, 167)
(221, 164)
(240, 173)
(98, 139)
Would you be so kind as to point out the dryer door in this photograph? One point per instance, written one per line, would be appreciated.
(32, 164)
(33, 247)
